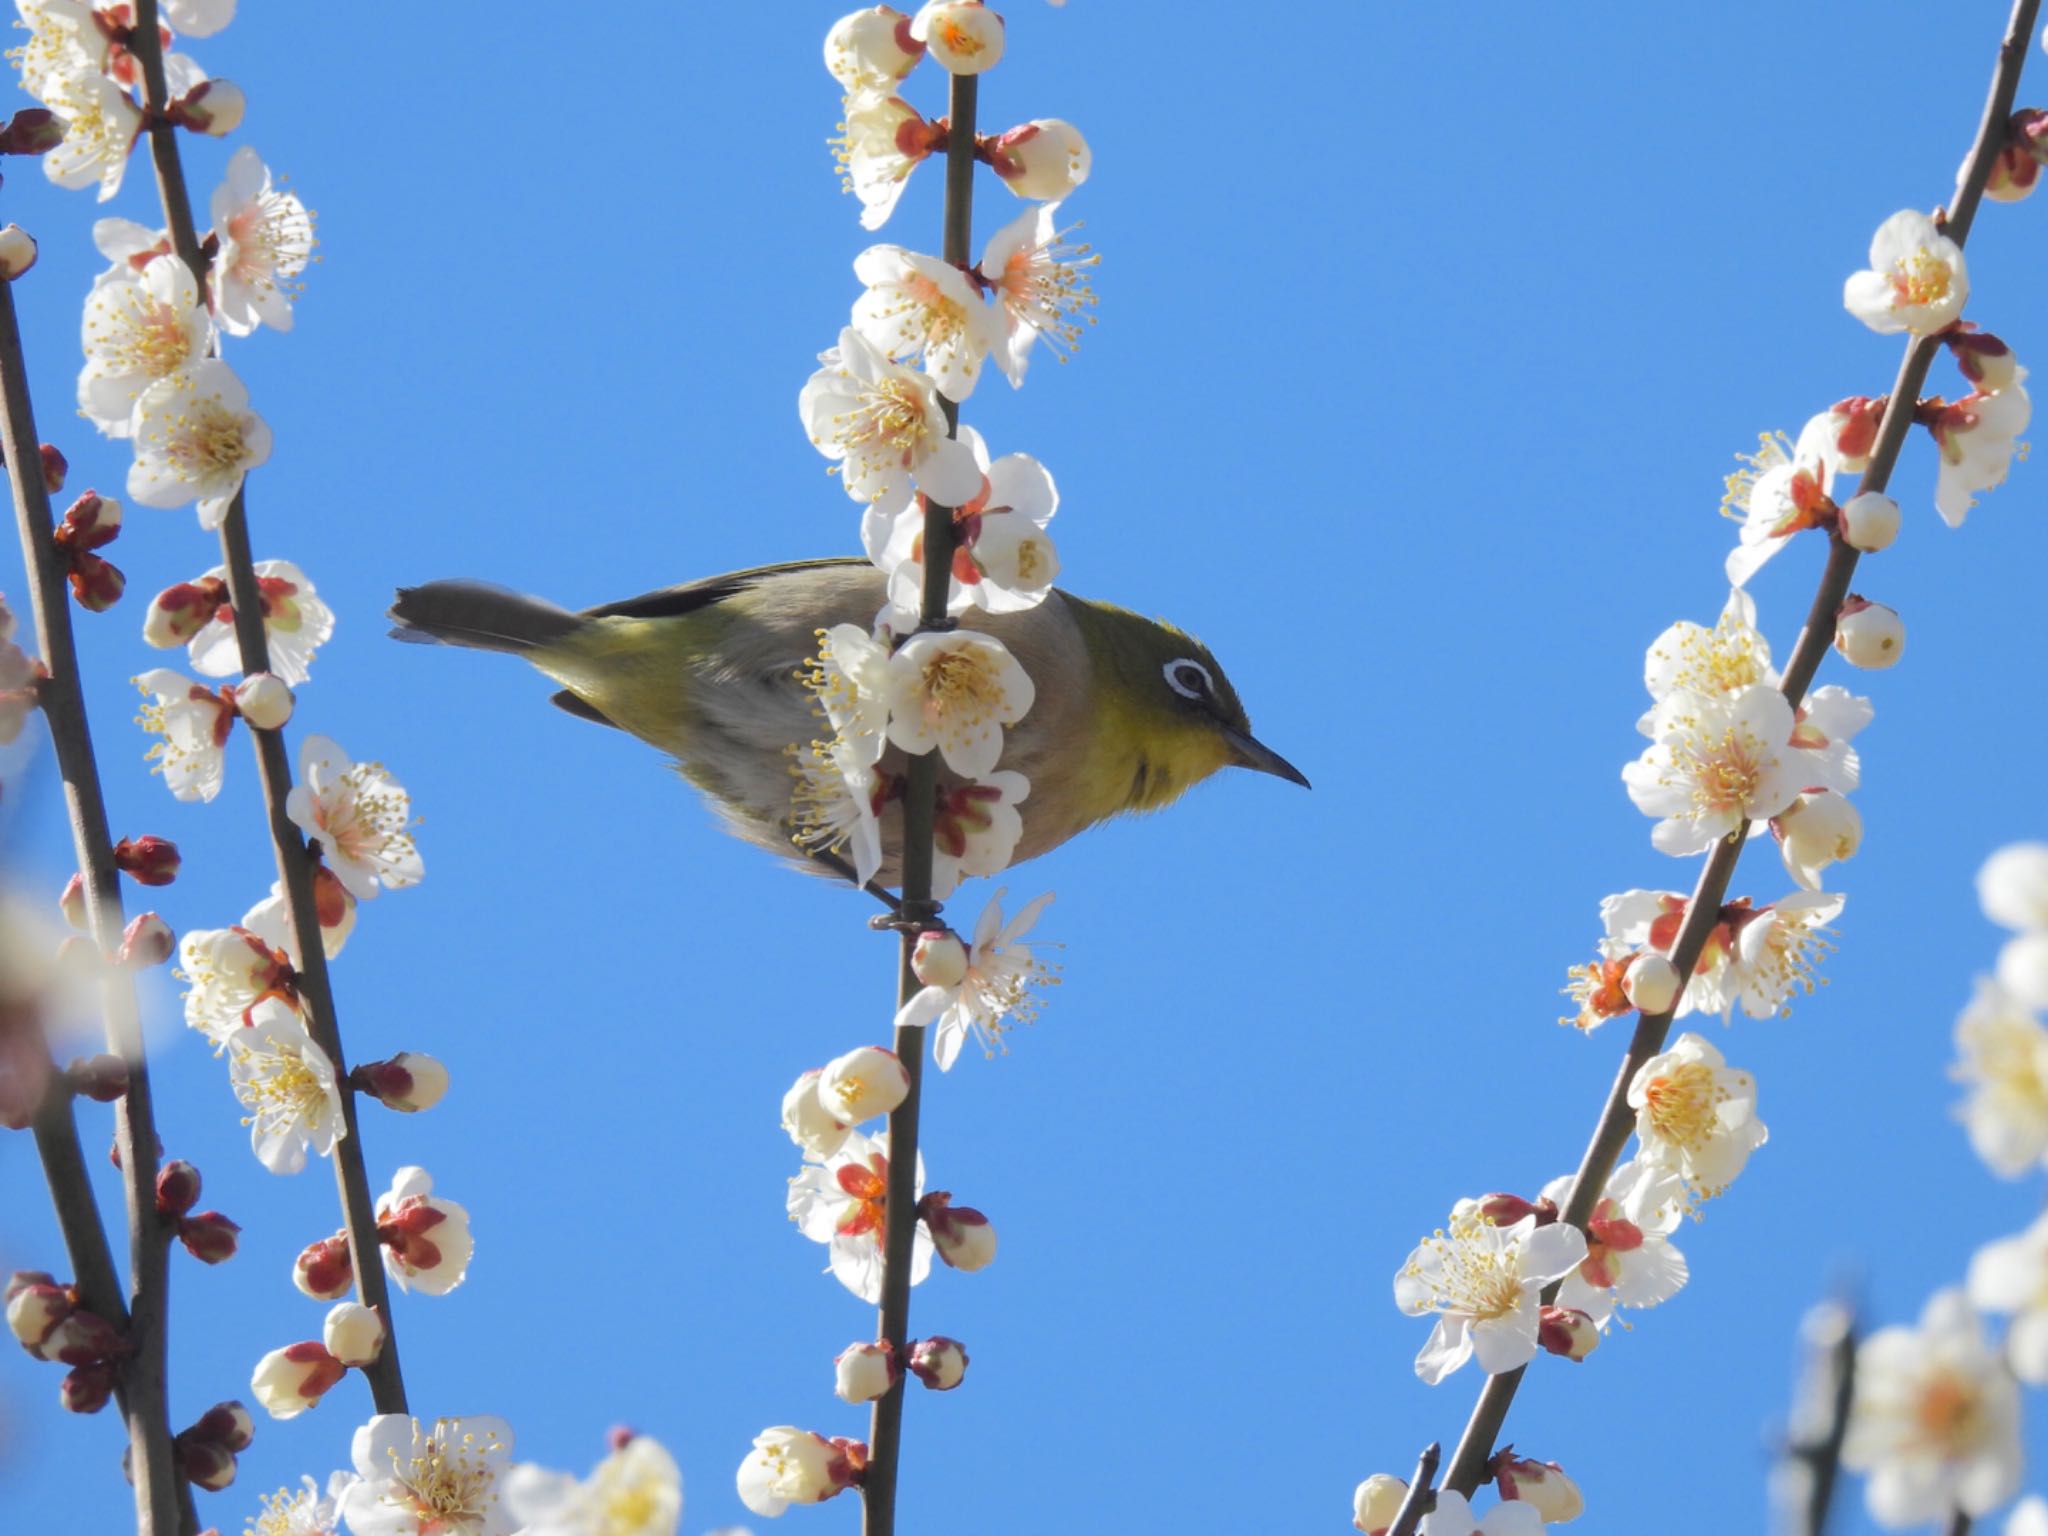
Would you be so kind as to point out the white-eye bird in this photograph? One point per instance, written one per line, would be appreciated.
(1129, 712)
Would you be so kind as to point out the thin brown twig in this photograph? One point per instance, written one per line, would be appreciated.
(1617, 1121)
(158, 1486)
(294, 862)
(1421, 1495)
(920, 807)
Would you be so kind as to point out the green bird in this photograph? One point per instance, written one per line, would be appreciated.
(1129, 711)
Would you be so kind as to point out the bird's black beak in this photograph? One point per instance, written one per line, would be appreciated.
(1263, 759)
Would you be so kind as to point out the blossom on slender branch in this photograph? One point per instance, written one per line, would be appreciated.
(359, 815)
(63, 39)
(305, 1513)
(841, 1201)
(426, 1239)
(266, 240)
(1716, 761)
(1630, 1259)
(881, 141)
(430, 1480)
(100, 125)
(1003, 558)
(137, 329)
(965, 36)
(976, 829)
(194, 722)
(635, 1491)
(1917, 280)
(195, 438)
(1042, 286)
(1453, 1516)
(2002, 1054)
(1777, 949)
(295, 620)
(1695, 1116)
(849, 680)
(334, 908)
(955, 691)
(870, 51)
(1043, 160)
(2011, 1276)
(1935, 1421)
(1816, 830)
(1978, 436)
(1784, 488)
(836, 804)
(1727, 659)
(794, 1466)
(231, 970)
(287, 1084)
(1001, 983)
(919, 309)
(883, 427)
(1482, 1281)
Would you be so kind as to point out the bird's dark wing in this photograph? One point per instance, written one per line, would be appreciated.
(673, 602)
(575, 704)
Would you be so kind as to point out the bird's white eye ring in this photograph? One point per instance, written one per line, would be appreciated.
(1189, 678)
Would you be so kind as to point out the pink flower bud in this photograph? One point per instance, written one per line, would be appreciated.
(72, 904)
(227, 1424)
(964, 1237)
(178, 613)
(865, 1371)
(1043, 160)
(91, 522)
(80, 1338)
(1651, 982)
(96, 584)
(940, 958)
(148, 860)
(101, 1078)
(1541, 1483)
(86, 1388)
(867, 1081)
(1869, 634)
(1567, 1331)
(353, 1333)
(212, 107)
(36, 1307)
(1852, 427)
(965, 36)
(209, 1237)
(31, 131)
(1506, 1210)
(147, 941)
(939, 1362)
(265, 700)
(17, 252)
(1870, 522)
(288, 1381)
(809, 1124)
(177, 1189)
(206, 1463)
(407, 1082)
(1985, 360)
(2014, 174)
(1377, 1503)
(55, 465)
(324, 1270)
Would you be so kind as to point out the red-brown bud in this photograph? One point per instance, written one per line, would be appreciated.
(31, 131)
(101, 1078)
(55, 468)
(229, 1424)
(324, 1270)
(149, 860)
(1567, 1331)
(86, 1388)
(209, 1237)
(82, 1338)
(177, 1189)
(206, 1463)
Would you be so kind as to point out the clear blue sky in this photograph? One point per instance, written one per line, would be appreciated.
(1427, 336)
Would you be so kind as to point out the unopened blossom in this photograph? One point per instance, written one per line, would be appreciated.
(408, 1082)
(1935, 1422)
(440, 1479)
(794, 1466)
(287, 1084)
(100, 125)
(2002, 1053)
(1978, 436)
(1869, 635)
(138, 329)
(1816, 830)
(1728, 659)
(881, 141)
(637, 1490)
(1540, 1483)
(919, 309)
(2010, 1276)
(1694, 1115)
(882, 426)
(1042, 287)
(426, 1239)
(230, 970)
(333, 906)
(964, 1237)
(305, 1513)
(2029, 1517)
(1630, 1260)
(1044, 159)
(194, 722)
(1001, 983)
(360, 817)
(296, 623)
(1453, 1517)
(353, 1333)
(1917, 280)
(976, 828)
(264, 700)
(1785, 488)
(809, 1123)
(1984, 359)
(866, 1082)
(2012, 887)
(2022, 968)
(955, 692)
(1376, 1503)
(1652, 982)
(865, 1371)
(324, 1270)
(1003, 557)
(1482, 1283)
(939, 1362)
(1714, 762)
(266, 240)
(841, 1202)
(288, 1381)
(195, 438)
(871, 50)
(965, 36)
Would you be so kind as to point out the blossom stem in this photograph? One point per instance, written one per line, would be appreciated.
(62, 697)
(1821, 1423)
(1617, 1120)
(1421, 1493)
(920, 807)
(1959, 1523)
(294, 862)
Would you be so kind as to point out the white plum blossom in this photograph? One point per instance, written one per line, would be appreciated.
(1695, 1116)
(295, 619)
(230, 970)
(305, 1513)
(128, 246)
(426, 1239)
(287, 1084)
(2003, 1059)
(1776, 952)
(1978, 436)
(1041, 286)
(1917, 280)
(100, 125)
(1935, 1422)
(849, 678)
(965, 36)
(1786, 487)
(1482, 1281)
(1630, 1258)
(1814, 831)
(809, 1123)
(1043, 159)
(194, 722)
(195, 438)
(841, 1202)
(2012, 887)
(2011, 1276)
(2023, 968)
(199, 18)
(871, 50)
(882, 425)
(1000, 984)
(2029, 1517)
(1714, 762)
(1830, 718)
(635, 1491)
(976, 829)
(836, 805)
(266, 240)
(1726, 660)
(882, 140)
(1453, 1517)
(270, 918)
(792, 1466)
(866, 1082)
(63, 40)
(956, 691)
(917, 308)
(430, 1480)
(359, 815)
(1003, 558)
(138, 328)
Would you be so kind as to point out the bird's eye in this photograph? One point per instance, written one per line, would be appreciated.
(1189, 678)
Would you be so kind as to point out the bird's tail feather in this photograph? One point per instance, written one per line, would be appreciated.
(478, 614)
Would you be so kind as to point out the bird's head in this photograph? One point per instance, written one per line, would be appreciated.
(1166, 716)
